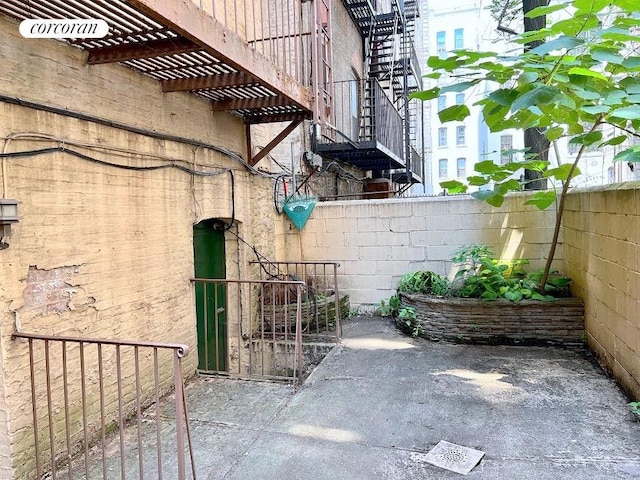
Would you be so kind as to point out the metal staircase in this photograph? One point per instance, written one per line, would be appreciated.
(391, 63)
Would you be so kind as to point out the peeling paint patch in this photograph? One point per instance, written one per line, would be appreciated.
(51, 291)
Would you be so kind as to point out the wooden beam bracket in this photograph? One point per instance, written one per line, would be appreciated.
(253, 159)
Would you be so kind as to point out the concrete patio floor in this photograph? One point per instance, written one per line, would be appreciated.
(380, 401)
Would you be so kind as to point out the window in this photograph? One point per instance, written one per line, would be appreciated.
(458, 38)
(441, 46)
(354, 108)
(461, 165)
(459, 98)
(443, 168)
(506, 147)
(442, 102)
(460, 136)
(442, 137)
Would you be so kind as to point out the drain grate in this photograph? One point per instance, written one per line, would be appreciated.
(455, 458)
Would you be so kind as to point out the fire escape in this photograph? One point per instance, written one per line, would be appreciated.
(374, 125)
(250, 58)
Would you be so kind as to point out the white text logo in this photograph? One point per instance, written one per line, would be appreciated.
(64, 28)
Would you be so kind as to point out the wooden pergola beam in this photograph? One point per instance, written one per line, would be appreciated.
(134, 51)
(272, 144)
(247, 103)
(188, 20)
(276, 118)
(221, 80)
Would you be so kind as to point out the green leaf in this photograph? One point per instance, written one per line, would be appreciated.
(454, 187)
(614, 141)
(492, 198)
(563, 42)
(631, 155)
(553, 134)
(454, 113)
(545, 10)
(426, 94)
(477, 181)
(527, 77)
(586, 72)
(628, 113)
(543, 298)
(540, 94)
(486, 167)
(504, 96)
(513, 166)
(587, 139)
(575, 129)
(609, 56)
(631, 85)
(460, 86)
(513, 184)
(590, 6)
(562, 172)
(513, 295)
(584, 93)
(618, 35)
(542, 200)
(595, 109)
(631, 63)
(536, 165)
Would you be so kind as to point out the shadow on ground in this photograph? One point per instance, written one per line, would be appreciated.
(380, 401)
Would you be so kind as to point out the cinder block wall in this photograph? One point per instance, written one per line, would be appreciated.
(101, 251)
(377, 241)
(602, 251)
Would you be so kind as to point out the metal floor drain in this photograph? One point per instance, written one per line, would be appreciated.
(455, 458)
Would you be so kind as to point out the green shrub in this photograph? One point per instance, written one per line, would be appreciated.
(390, 308)
(424, 281)
(481, 275)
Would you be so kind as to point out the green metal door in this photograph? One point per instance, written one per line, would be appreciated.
(211, 315)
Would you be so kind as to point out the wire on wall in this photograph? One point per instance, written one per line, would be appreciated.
(171, 165)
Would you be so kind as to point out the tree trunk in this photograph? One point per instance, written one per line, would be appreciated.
(534, 141)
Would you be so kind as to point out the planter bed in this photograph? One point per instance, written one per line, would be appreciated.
(498, 322)
(316, 315)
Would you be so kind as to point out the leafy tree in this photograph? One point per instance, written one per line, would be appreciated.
(584, 74)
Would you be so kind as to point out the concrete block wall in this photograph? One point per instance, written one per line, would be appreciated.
(602, 251)
(377, 241)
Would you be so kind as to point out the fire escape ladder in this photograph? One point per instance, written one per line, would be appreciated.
(367, 118)
(325, 56)
(322, 71)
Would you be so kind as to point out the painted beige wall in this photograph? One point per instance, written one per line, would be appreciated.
(101, 251)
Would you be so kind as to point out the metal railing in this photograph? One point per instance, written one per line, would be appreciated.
(322, 308)
(417, 163)
(278, 29)
(363, 112)
(81, 406)
(256, 329)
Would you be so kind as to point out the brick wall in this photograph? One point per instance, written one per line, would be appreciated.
(101, 251)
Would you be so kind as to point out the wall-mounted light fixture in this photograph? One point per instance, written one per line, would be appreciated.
(8, 215)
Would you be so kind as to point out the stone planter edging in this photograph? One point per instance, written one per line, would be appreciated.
(500, 322)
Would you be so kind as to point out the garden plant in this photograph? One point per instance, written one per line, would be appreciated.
(582, 78)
